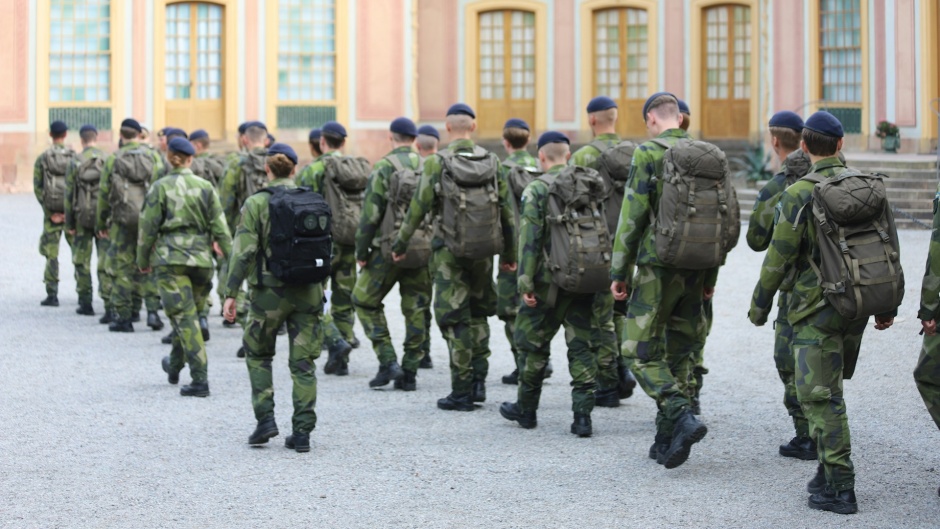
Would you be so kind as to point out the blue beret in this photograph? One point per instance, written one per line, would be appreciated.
(600, 103)
(58, 127)
(197, 134)
(131, 123)
(552, 137)
(650, 99)
(243, 127)
(173, 131)
(404, 126)
(825, 123)
(315, 135)
(271, 138)
(182, 146)
(283, 148)
(684, 107)
(787, 119)
(258, 124)
(516, 123)
(428, 130)
(461, 108)
(334, 128)
(87, 128)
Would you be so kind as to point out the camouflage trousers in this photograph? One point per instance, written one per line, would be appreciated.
(342, 283)
(664, 324)
(786, 366)
(698, 354)
(604, 341)
(49, 248)
(301, 307)
(825, 350)
(464, 297)
(184, 290)
(507, 306)
(927, 376)
(375, 281)
(535, 328)
(82, 246)
(241, 300)
(128, 286)
(620, 326)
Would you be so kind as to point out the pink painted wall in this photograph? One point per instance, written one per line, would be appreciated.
(437, 46)
(138, 86)
(564, 58)
(906, 78)
(380, 59)
(676, 49)
(789, 67)
(252, 62)
(14, 54)
(878, 44)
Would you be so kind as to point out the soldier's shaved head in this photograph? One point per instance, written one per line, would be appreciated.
(426, 144)
(256, 136)
(459, 124)
(554, 154)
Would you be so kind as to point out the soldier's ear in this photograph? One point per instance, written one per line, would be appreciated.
(839, 145)
(803, 147)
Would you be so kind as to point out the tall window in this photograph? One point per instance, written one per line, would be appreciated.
(506, 69)
(621, 53)
(728, 52)
(840, 49)
(306, 60)
(80, 51)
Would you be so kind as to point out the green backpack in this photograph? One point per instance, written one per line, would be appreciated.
(130, 180)
(87, 182)
(518, 178)
(208, 168)
(469, 221)
(344, 182)
(401, 188)
(55, 165)
(614, 166)
(254, 177)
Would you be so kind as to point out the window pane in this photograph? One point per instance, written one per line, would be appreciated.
(306, 50)
(79, 50)
(840, 50)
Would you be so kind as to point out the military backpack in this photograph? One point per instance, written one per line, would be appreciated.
(254, 178)
(860, 261)
(208, 168)
(87, 183)
(130, 180)
(344, 182)
(518, 178)
(299, 242)
(614, 166)
(469, 221)
(401, 188)
(698, 219)
(55, 165)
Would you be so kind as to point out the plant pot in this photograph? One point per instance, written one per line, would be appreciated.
(891, 143)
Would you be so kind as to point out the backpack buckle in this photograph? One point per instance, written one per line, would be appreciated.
(884, 236)
(844, 246)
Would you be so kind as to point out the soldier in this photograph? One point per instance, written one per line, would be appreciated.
(136, 168)
(209, 168)
(824, 342)
(81, 200)
(465, 294)
(274, 302)
(49, 174)
(785, 129)
(314, 140)
(927, 372)
(661, 297)
(538, 320)
(612, 370)
(181, 226)
(377, 274)
(428, 140)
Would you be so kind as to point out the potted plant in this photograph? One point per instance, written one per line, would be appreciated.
(890, 136)
(752, 167)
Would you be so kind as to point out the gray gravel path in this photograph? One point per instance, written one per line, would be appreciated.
(94, 437)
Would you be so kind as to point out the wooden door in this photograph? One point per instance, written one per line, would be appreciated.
(194, 58)
(726, 105)
(506, 70)
(621, 64)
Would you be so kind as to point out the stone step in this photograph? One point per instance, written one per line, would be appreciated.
(889, 166)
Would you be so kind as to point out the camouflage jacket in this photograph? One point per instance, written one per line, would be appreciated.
(760, 227)
(534, 236)
(230, 189)
(376, 199)
(521, 158)
(181, 219)
(587, 155)
(425, 201)
(71, 185)
(104, 191)
(312, 175)
(38, 180)
(930, 288)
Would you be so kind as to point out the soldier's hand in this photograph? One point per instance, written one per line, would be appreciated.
(398, 257)
(619, 289)
(508, 267)
(883, 323)
(929, 327)
(57, 218)
(530, 300)
(103, 234)
(362, 264)
(757, 317)
(146, 270)
(708, 293)
(228, 310)
(217, 249)
(71, 232)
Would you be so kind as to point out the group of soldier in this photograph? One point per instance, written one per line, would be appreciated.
(166, 219)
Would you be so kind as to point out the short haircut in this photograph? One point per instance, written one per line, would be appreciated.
(128, 133)
(516, 137)
(686, 121)
(402, 138)
(281, 166)
(664, 106)
(58, 136)
(315, 145)
(820, 144)
(556, 152)
(202, 142)
(789, 138)
(88, 136)
(426, 142)
(333, 140)
(256, 135)
(605, 117)
(177, 159)
(460, 122)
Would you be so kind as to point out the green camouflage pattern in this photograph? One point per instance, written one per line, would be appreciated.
(588, 155)
(376, 200)
(927, 372)
(231, 189)
(104, 205)
(930, 286)
(85, 240)
(927, 376)
(760, 227)
(184, 290)
(51, 233)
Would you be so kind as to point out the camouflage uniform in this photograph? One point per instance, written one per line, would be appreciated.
(927, 372)
(84, 239)
(181, 219)
(378, 277)
(272, 304)
(604, 339)
(665, 317)
(465, 294)
(51, 233)
(128, 285)
(507, 287)
(825, 344)
(536, 326)
(215, 180)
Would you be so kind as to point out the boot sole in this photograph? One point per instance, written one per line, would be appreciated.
(455, 408)
(378, 383)
(582, 433)
(264, 437)
(199, 394)
(681, 455)
(799, 454)
(838, 508)
(508, 417)
(607, 404)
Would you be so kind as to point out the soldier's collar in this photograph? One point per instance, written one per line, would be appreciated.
(826, 163)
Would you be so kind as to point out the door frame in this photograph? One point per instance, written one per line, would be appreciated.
(697, 95)
(229, 62)
(587, 47)
(472, 51)
(930, 78)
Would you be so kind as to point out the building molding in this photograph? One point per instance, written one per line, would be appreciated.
(929, 71)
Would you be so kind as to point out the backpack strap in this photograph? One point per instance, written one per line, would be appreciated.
(259, 255)
(600, 145)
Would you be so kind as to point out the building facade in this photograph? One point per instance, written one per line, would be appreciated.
(296, 63)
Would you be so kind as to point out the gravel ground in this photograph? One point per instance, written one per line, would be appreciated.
(95, 437)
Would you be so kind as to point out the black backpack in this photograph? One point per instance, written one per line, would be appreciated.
(300, 240)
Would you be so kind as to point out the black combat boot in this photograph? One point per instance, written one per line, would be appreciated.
(660, 445)
(154, 321)
(478, 391)
(688, 431)
(800, 448)
(582, 425)
(387, 373)
(426, 362)
(298, 441)
(548, 370)
(607, 398)
(337, 356)
(266, 429)
(85, 309)
(627, 382)
(51, 300)
(839, 502)
(173, 377)
(168, 339)
(456, 402)
(818, 483)
(241, 352)
(204, 327)
(195, 389)
(512, 379)
(135, 317)
(408, 382)
(107, 318)
(353, 342)
(511, 412)
(121, 326)
(229, 324)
